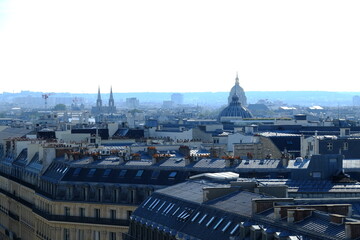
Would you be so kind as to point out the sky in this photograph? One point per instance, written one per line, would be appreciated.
(179, 46)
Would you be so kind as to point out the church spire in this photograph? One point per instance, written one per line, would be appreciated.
(99, 101)
(111, 99)
(237, 78)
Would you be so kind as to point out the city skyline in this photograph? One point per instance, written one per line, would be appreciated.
(178, 47)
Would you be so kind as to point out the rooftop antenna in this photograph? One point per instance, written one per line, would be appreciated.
(45, 97)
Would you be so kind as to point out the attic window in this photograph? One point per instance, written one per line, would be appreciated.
(172, 174)
(122, 173)
(91, 172)
(76, 172)
(107, 172)
(139, 173)
(155, 174)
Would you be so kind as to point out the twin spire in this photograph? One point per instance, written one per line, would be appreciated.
(111, 99)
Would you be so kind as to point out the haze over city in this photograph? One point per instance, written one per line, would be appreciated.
(187, 46)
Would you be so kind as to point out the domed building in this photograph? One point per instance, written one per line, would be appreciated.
(234, 111)
(236, 89)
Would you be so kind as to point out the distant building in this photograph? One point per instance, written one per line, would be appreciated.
(239, 91)
(234, 111)
(177, 98)
(132, 102)
(356, 100)
(100, 109)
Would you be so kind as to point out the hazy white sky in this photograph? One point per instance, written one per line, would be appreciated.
(179, 46)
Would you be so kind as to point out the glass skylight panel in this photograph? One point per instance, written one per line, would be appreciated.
(218, 223)
(147, 201)
(161, 205)
(139, 173)
(210, 221)
(155, 204)
(170, 209)
(234, 229)
(152, 203)
(196, 215)
(167, 207)
(226, 226)
(175, 211)
(202, 219)
(180, 215)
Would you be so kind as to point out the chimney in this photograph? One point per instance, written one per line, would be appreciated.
(297, 215)
(229, 162)
(352, 230)
(262, 204)
(210, 193)
(184, 150)
(255, 232)
(337, 219)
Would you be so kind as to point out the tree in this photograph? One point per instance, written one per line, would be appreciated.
(60, 107)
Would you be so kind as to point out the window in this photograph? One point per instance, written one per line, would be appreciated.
(234, 229)
(210, 221)
(81, 235)
(218, 223)
(66, 234)
(97, 213)
(76, 172)
(107, 172)
(172, 174)
(155, 174)
(226, 226)
(82, 212)
(129, 214)
(346, 146)
(196, 215)
(112, 235)
(202, 219)
(96, 235)
(316, 174)
(122, 173)
(91, 172)
(139, 173)
(66, 211)
(329, 146)
(113, 214)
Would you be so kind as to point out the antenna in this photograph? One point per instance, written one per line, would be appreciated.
(45, 97)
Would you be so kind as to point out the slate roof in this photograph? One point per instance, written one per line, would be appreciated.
(180, 210)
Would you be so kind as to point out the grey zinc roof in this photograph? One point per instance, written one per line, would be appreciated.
(14, 133)
(189, 190)
(209, 163)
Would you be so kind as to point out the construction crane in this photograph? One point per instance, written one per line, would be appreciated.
(45, 97)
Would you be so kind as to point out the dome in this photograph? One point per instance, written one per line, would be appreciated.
(235, 110)
(239, 91)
